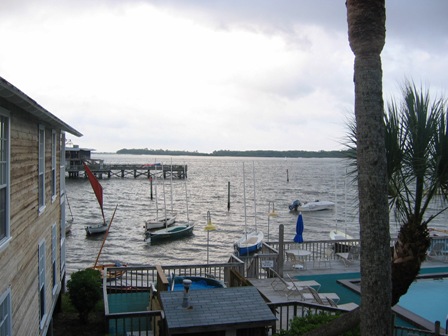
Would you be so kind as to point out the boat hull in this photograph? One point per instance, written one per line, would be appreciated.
(160, 224)
(170, 233)
(249, 243)
(312, 206)
(96, 229)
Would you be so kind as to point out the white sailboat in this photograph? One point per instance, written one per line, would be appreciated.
(249, 241)
(159, 223)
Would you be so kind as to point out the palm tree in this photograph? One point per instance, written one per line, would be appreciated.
(366, 32)
(417, 161)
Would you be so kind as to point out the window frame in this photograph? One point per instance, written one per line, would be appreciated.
(5, 118)
(42, 284)
(41, 169)
(53, 166)
(54, 270)
(5, 298)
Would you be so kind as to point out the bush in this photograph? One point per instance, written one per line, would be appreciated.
(84, 289)
(302, 325)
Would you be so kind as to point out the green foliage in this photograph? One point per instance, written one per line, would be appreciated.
(302, 325)
(251, 153)
(85, 291)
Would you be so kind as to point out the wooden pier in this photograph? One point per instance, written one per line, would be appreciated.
(133, 170)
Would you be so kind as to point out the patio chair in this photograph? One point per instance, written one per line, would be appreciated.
(325, 259)
(350, 256)
(296, 263)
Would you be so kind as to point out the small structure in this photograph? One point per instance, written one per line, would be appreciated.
(220, 311)
(75, 156)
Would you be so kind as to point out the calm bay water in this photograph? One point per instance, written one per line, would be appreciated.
(207, 190)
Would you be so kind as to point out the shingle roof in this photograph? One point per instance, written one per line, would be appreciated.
(218, 309)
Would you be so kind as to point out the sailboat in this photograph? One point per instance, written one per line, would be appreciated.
(158, 223)
(101, 267)
(249, 241)
(173, 232)
(98, 190)
(69, 222)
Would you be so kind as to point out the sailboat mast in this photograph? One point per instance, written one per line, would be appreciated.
(105, 236)
(244, 198)
(164, 198)
(255, 198)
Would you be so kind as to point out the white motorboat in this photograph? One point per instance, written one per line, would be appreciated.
(311, 206)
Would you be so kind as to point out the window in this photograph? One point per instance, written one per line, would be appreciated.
(4, 178)
(53, 165)
(62, 256)
(41, 168)
(62, 162)
(53, 258)
(5, 313)
(42, 303)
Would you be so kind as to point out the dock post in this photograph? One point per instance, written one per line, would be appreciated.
(281, 248)
(287, 175)
(150, 182)
(228, 196)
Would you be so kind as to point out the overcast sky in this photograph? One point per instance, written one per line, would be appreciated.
(204, 75)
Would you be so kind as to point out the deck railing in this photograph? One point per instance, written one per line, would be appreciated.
(142, 279)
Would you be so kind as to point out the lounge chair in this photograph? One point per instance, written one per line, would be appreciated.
(345, 306)
(438, 251)
(321, 298)
(291, 288)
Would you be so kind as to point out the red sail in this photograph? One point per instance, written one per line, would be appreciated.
(97, 188)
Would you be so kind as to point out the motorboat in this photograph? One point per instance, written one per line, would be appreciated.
(316, 205)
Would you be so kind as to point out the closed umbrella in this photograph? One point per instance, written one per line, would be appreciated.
(299, 229)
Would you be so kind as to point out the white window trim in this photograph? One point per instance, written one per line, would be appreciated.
(4, 243)
(54, 268)
(41, 164)
(42, 283)
(6, 297)
(62, 242)
(62, 163)
(53, 166)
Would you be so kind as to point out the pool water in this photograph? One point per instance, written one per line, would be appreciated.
(196, 283)
(428, 298)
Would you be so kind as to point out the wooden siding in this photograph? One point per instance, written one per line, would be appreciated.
(19, 261)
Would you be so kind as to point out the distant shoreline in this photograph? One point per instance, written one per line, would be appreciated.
(251, 153)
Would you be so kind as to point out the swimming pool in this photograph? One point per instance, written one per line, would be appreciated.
(427, 297)
(197, 282)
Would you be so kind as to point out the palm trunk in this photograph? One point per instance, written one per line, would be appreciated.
(409, 253)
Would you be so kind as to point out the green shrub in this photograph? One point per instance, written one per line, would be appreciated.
(301, 325)
(84, 289)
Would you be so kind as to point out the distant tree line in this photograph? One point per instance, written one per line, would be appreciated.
(252, 153)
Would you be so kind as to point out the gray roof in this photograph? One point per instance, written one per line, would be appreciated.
(12, 94)
(216, 309)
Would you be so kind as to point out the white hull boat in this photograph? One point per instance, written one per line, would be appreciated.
(96, 229)
(311, 206)
(339, 235)
(160, 223)
(249, 243)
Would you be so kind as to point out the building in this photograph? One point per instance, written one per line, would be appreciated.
(32, 213)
